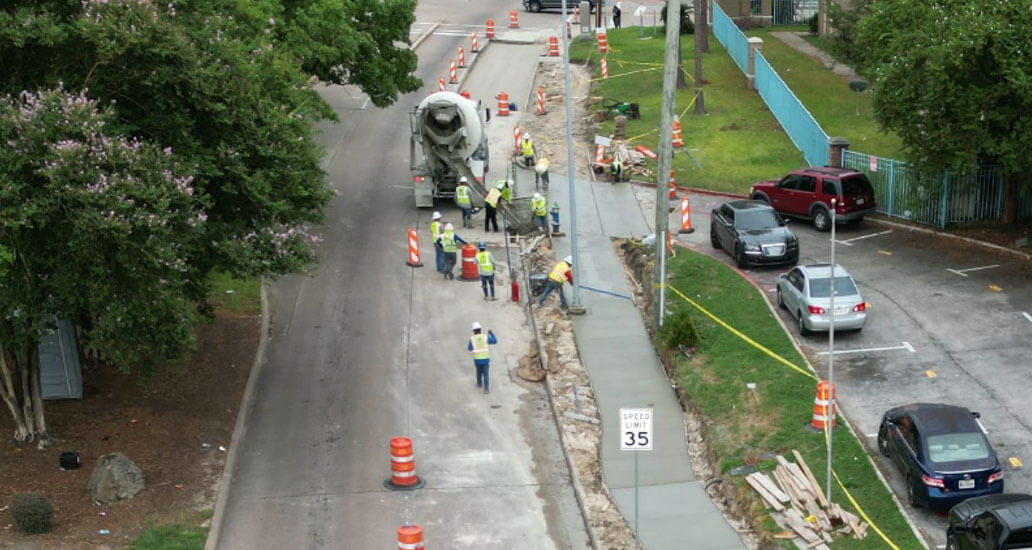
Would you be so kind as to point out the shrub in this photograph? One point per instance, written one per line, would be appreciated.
(32, 512)
(813, 24)
(678, 330)
(687, 27)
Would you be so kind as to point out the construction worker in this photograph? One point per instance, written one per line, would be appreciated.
(560, 274)
(616, 170)
(481, 355)
(541, 172)
(540, 208)
(448, 240)
(555, 217)
(527, 150)
(435, 232)
(486, 264)
(491, 205)
(506, 189)
(464, 201)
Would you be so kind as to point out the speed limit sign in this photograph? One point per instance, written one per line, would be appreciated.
(635, 429)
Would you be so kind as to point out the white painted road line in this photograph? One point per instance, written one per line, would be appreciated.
(964, 272)
(905, 346)
(1027, 316)
(875, 434)
(849, 242)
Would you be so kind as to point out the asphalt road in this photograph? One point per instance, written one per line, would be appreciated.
(365, 348)
(949, 322)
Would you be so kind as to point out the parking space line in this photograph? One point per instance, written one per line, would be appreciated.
(905, 346)
(1014, 462)
(849, 242)
(964, 272)
(1027, 316)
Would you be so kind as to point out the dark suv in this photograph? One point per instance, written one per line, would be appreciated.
(807, 193)
(538, 5)
(752, 233)
(994, 522)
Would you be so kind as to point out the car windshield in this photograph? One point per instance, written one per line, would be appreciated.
(756, 219)
(821, 288)
(956, 447)
(857, 185)
(1019, 539)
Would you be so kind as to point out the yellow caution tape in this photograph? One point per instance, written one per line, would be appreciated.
(856, 506)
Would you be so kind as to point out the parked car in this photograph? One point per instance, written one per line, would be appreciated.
(753, 233)
(805, 292)
(942, 452)
(807, 193)
(992, 522)
(538, 5)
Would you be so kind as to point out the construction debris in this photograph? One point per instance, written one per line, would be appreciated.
(800, 505)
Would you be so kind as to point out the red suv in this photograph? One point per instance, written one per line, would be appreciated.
(807, 193)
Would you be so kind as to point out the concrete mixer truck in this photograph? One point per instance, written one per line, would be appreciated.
(448, 141)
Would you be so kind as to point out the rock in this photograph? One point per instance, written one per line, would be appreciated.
(115, 478)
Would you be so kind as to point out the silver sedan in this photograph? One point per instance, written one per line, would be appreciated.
(805, 292)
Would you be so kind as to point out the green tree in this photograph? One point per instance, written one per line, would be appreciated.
(952, 78)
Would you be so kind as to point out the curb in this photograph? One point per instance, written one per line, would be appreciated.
(246, 404)
(419, 39)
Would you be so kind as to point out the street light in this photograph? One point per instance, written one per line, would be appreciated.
(831, 353)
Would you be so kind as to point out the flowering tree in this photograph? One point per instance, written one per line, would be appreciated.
(94, 228)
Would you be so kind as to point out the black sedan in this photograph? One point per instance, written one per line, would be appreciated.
(992, 522)
(753, 233)
(942, 452)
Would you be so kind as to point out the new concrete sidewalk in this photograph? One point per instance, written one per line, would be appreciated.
(675, 511)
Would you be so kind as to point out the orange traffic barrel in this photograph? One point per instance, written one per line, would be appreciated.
(514, 19)
(469, 263)
(673, 186)
(410, 537)
(403, 466)
(603, 44)
(489, 28)
(553, 46)
(677, 140)
(823, 411)
(413, 249)
(503, 104)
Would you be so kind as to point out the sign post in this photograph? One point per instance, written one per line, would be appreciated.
(635, 436)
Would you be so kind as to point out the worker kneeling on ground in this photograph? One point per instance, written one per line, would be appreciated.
(541, 172)
(616, 170)
(527, 150)
(560, 274)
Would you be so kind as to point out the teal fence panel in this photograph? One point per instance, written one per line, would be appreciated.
(731, 37)
(799, 124)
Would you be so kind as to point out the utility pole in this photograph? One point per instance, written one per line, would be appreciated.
(700, 32)
(567, 101)
(673, 31)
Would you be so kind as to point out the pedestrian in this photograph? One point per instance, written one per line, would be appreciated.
(541, 172)
(481, 355)
(491, 205)
(464, 201)
(539, 206)
(486, 265)
(561, 273)
(435, 233)
(555, 218)
(616, 16)
(527, 149)
(448, 240)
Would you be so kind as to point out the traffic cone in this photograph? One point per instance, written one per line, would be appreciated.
(686, 216)
(413, 249)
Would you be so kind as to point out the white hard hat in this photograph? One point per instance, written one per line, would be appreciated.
(526, 136)
(537, 196)
(501, 185)
(448, 227)
(436, 216)
(476, 325)
(463, 179)
(568, 259)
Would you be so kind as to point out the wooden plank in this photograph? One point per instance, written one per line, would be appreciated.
(785, 535)
(770, 487)
(767, 497)
(809, 475)
(787, 486)
(797, 474)
(798, 524)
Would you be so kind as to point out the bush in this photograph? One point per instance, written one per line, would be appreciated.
(687, 27)
(813, 24)
(678, 330)
(33, 513)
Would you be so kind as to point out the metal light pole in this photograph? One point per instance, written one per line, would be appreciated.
(831, 353)
(673, 28)
(569, 161)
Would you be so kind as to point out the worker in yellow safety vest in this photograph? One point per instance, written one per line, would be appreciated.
(464, 201)
(541, 172)
(436, 228)
(448, 240)
(560, 274)
(527, 150)
(540, 208)
(481, 355)
(616, 170)
(486, 264)
(491, 206)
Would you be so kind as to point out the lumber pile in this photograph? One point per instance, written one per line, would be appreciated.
(799, 504)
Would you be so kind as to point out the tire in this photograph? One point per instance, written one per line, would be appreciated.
(821, 219)
(883, 445)
(534, 6)
(713, 238)
(802, 325)
(951, 543)
(911, 495)
(781, 301)
(740, 260)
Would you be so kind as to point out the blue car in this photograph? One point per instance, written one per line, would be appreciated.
(942, 452)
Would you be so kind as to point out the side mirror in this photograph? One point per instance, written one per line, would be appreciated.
(976, 414)
(782, 275)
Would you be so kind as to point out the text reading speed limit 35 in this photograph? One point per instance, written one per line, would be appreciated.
(635, 429)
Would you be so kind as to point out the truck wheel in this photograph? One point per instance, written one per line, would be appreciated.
(821, 219)
(534, 6)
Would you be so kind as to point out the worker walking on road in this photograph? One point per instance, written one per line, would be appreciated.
(527, 150)
(491, 206)
(540, 207)
(486, 264)
(560, 274)
(435, 234)
(464, 201)
(448, 240)
(481, 355)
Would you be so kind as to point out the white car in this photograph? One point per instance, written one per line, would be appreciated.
(805, 292)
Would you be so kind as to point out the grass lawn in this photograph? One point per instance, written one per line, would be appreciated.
(239, 297)
(181, 536)
(743, 426)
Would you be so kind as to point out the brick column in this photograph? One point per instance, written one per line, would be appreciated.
(835, 147)
(755, 45)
